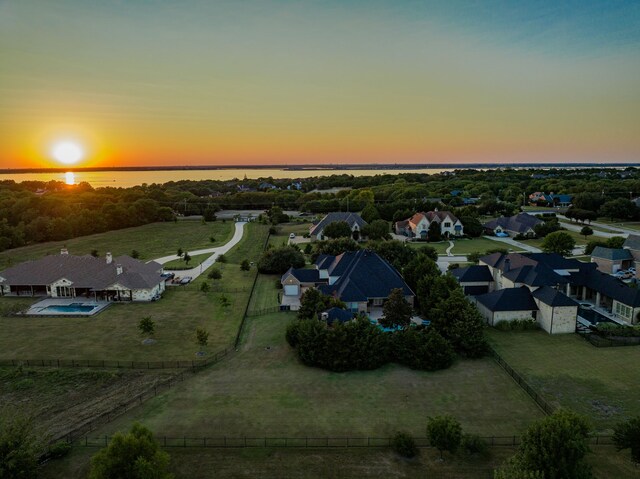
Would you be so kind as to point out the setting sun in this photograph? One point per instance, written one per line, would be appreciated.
(67, 152)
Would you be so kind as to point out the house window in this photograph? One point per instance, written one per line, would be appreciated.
(447, 225)
(377, 302)
(623, 310)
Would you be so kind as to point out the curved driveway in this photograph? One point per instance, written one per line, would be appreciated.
(215, 252)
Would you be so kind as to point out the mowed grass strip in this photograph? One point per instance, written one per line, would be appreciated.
(264, 390)
(113, 334)
(601, 383)
(265, 294)
(151, 241)
(352, 463)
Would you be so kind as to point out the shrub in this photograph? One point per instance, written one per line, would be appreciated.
(221, 258)
(472, 444)
(404, 444)
(215, 273)
(273, 230)
(425, 349)
(59, 449)
(444, 433)
(517, 325)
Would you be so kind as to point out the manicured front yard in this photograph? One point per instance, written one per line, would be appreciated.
(264, 390)
(601, 383)
(151, 241)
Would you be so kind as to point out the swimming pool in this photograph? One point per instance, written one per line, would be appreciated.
(69, 308)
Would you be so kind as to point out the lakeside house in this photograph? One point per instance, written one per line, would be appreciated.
(67, 276)
(551, 283)
(418, 225)
(520, 224)
(362, 279)
(354, 220)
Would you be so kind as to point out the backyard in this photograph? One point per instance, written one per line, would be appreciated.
(151, 241)
(601, 383)
(264, 390)
(113, 334)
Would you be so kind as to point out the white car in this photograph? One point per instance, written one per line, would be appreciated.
(292, 235)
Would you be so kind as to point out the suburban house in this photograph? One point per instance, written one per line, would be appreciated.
(611, 260)
(418, 225)
(362, 279)
(520, 224)
(543, 199)
(64, 275)
(554, 285)
(354, 220)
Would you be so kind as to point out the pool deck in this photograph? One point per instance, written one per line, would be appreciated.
(38, 309)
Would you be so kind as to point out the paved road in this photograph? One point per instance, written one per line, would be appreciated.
(215, 252)
(618, 230)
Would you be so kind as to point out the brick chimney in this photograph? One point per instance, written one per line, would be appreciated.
(118, 269)
(64, 251)
(109, 258)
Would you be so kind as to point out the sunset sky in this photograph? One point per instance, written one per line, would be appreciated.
(204, 82)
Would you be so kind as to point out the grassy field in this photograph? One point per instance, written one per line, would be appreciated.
(113, 333)
(601, 383)
(632, 225)
(151, 241)
(335, 463)
(264, 390)
(61, 399)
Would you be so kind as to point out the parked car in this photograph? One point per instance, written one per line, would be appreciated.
(292, 235)
(167, 275)
(502, 235)
(632, 270)
(186, 280)
(623, 274)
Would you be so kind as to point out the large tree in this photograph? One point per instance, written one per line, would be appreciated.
(559, 242)
(337, 229)
(472, 226)
(619, 208)
(552, 448)
(435, 233)
(135, 455)
(279, 260)
(396, 311)
(444, 433)
(370, 213)
(377, 230)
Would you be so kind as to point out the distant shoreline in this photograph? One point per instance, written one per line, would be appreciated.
(322, 167)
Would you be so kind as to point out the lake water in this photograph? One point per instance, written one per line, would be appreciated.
(126, 179)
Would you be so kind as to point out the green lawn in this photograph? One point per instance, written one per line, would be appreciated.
(464, 246)
(264, 390)
(265, 294)
(601, 383)
(341, 463)
(113, 334)
(632, 225)
(151, 241)
(178, 264)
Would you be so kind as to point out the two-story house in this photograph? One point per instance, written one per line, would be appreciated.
(418, 225)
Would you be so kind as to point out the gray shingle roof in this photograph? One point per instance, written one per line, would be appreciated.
(363, 275)
(519, 223)
(472, 274)
(84, 272)
(632, 242)
(305, 275)
(349, 218)
(613, 254)
(510, 299)
(553, 297)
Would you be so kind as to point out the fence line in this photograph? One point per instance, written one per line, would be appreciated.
(246, 309)
(116, 364)
(542, 403)
(306, 442)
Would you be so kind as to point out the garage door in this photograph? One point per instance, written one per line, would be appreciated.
(291, 290)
